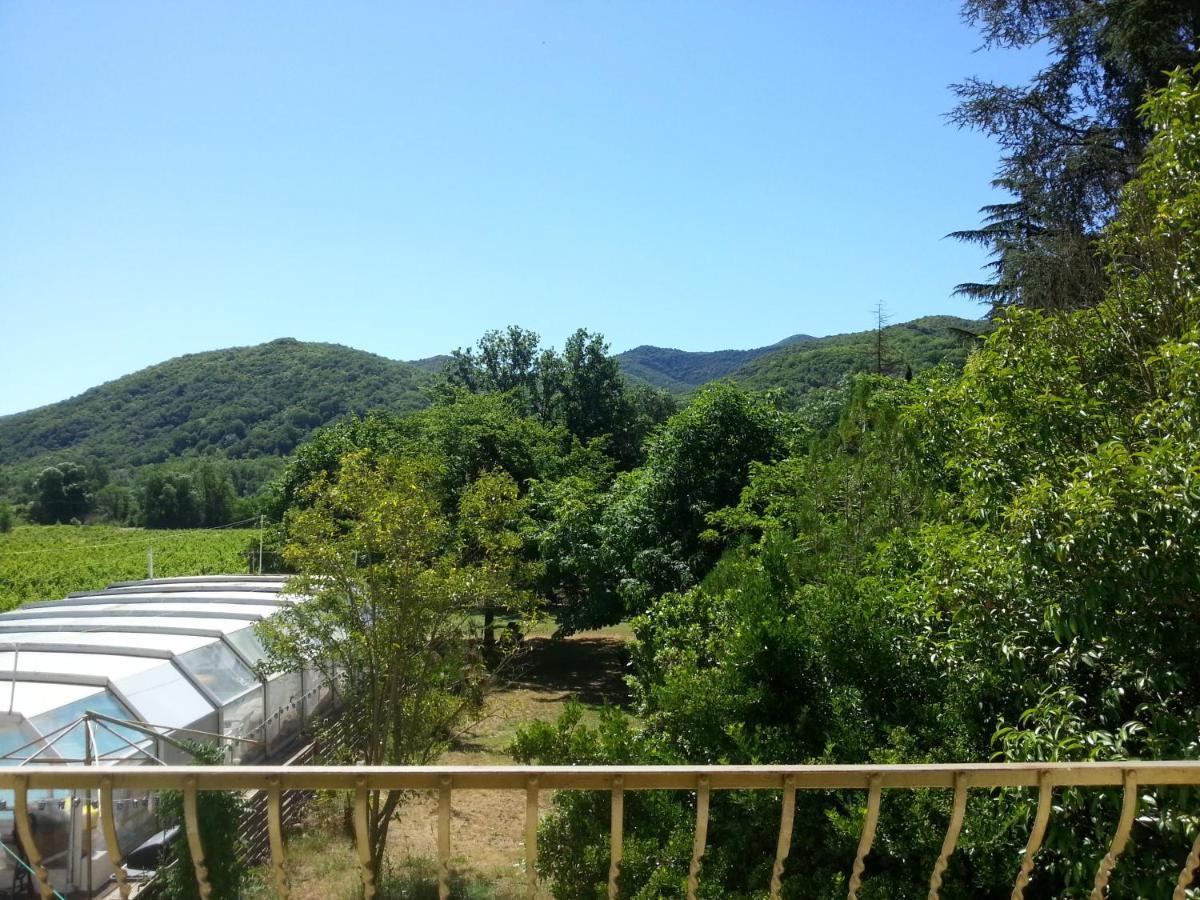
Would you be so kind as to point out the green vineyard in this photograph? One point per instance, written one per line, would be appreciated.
(45, 562)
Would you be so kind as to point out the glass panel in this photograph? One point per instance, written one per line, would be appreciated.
(71, 745)
(162, 696)
(314, 692)
(217, 668)
(137, 819)
(283, 707)
(248, 644)
(13, 736)
(32, 698)
(172, 756)
(244, 718)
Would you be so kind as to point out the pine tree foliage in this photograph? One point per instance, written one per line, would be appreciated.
(1070, 139)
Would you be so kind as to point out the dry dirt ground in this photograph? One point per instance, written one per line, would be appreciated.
(487, 827)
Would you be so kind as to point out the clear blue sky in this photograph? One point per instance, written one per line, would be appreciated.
(177, 177)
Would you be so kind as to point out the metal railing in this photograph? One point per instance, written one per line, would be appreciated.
(617, 780)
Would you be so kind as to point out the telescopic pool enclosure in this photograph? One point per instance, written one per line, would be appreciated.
(119, 677)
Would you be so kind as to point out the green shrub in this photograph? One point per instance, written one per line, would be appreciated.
(219, 814)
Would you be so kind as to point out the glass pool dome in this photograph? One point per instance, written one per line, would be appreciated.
(174, 657)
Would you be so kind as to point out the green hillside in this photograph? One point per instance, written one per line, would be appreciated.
(254, 404)
(802, 363)
(823, 362)
(680, 371)
(239, 403)
(431, 364)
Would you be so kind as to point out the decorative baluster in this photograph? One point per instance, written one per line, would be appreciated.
(1189, 871)
(362, 839)
(1120, 837)
(531, 826)
(1045, 792)
(108, 821)
(32, 853)
(444, 839)
(617, 830)
(191, 821)
(786, 816)
(693, 881)
(275, 831)
(956, 819)
(874, 795)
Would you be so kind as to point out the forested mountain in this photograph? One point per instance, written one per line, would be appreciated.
(239, 403)
(801, 363)
(822, 362)
(261, 401)
(220, 425)
(680, 371)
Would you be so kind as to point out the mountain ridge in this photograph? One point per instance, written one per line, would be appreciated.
(680, 371)
(260, 401)
(824, 359)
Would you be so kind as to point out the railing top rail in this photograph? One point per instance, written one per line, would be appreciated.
(973, 775)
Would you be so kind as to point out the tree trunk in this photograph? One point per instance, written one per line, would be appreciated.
(489, 630)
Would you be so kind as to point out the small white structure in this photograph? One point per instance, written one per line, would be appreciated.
(177, 654)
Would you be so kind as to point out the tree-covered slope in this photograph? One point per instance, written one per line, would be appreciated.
(242, 402)
(259, 402)
(802, 363)
(431, 364)
(823, 362)
(680, 371)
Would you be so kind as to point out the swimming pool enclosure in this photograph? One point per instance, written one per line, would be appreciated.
(119, 677)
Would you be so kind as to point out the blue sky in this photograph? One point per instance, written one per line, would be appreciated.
(399, 178)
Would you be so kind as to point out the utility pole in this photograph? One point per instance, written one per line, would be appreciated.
(150, 562)
(260, 542)
(881, 319)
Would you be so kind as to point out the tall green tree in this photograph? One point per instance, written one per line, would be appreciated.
(1070, 138)
(581, 389)
(171, 500)
(216, 495)
(61, 493)
(500, 361)
(116, 504)
(492, 517)
(654, 525)
(389, 614)
(593, 389)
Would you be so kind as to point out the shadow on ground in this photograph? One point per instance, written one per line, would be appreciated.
(590, 668)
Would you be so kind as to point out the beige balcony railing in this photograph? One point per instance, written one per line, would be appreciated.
(1131, 777)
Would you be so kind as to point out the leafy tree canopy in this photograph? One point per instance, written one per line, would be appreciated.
(581, 389)
(61, 494)
(393, 591)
